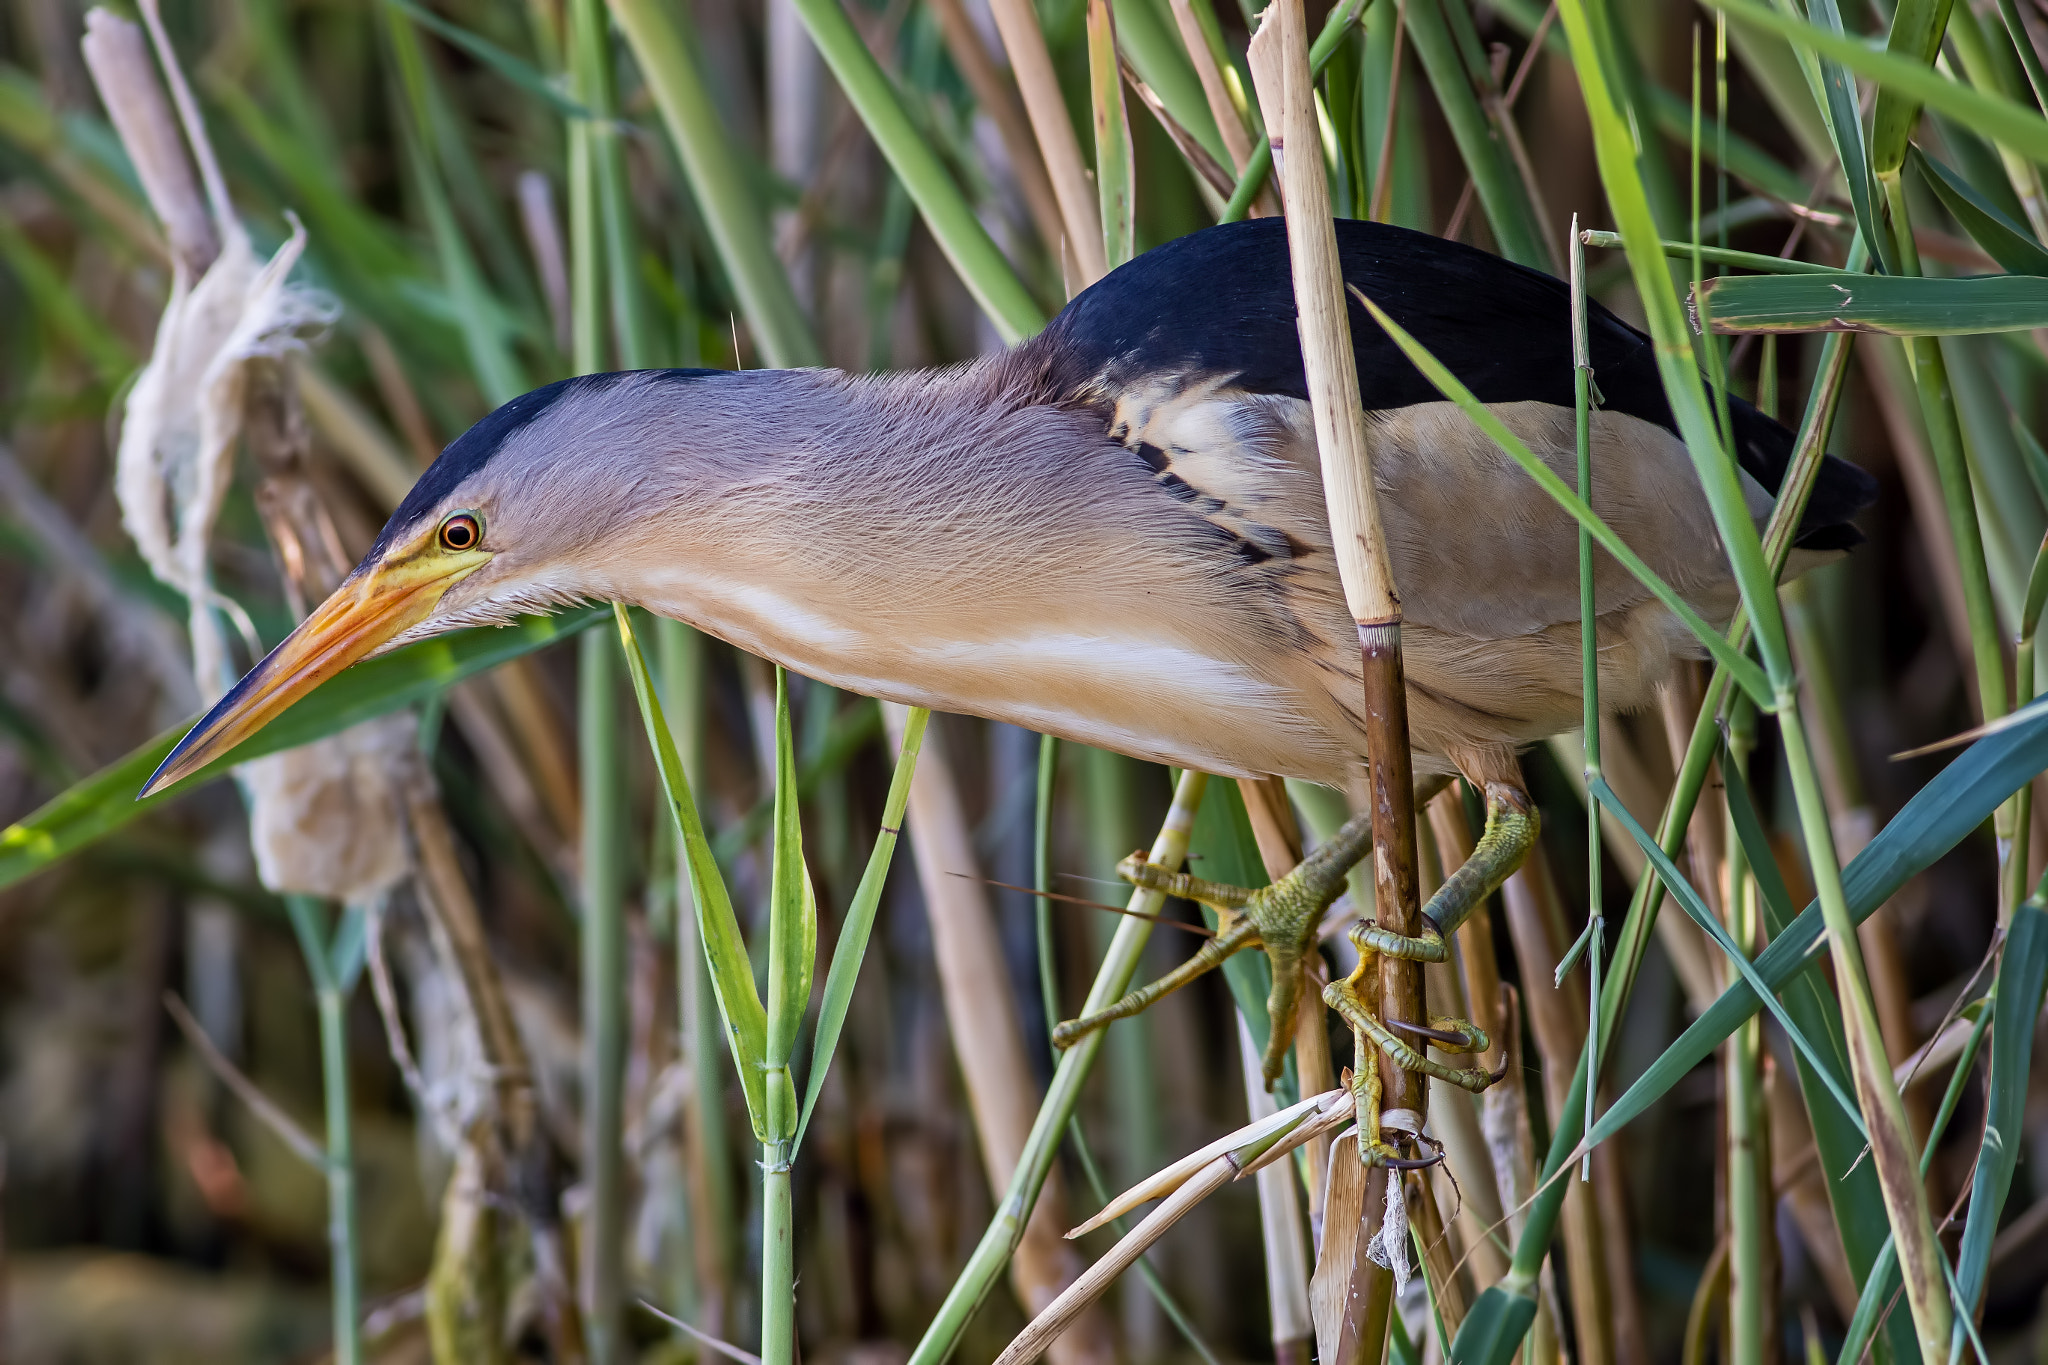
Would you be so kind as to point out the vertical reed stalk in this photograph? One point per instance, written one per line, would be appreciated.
(1751, 1209)
(778, 1257)
(989, 1043)
(960, 235)
(1283, 72)
(985, 1266)
(1115, 173)
(330, 998)
(709, 1152)
(1589, 660)
(603, 987)
(601, 895)
(721, 190)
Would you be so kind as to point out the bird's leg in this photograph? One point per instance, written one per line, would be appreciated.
(1284, 918)
(1238, 933)
(1370, 1034)
(1511, 825)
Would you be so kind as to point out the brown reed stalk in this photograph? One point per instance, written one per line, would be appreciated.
(1002, 1094)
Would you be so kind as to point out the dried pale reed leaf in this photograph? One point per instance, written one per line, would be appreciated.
(1329, 1293)
(1166, 1181)
(184, 414)
(1280, 1221)
(1336, 1109)
(117, 54)
(1060, 1314)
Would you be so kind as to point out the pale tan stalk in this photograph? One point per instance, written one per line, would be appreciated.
(1854, 824)
(1286, 91)
(1349, 1296)
(1017, 22)
(1796, 1174)
(1170, 1178)
(267, 1111)
(471, 706)
(350, 431)
(997, 97)
(1281, 1226)
(995, 1070)
(1237, 139)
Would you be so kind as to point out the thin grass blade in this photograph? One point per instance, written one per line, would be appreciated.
(732, 974)
(2018, 127)
(860, 920)
(2022, 977)
(98, 805)
(1689, 899)
(2005, 241)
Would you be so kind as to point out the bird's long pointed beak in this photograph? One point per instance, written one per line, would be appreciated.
(371, 607)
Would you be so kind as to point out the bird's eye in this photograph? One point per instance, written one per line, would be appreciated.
(461, 531)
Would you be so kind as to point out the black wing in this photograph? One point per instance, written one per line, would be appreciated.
(1221, 302)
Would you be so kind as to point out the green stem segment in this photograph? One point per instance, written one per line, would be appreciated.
(331, 1001)
(1260, 167)
(1112, 979)
(1749, 1204)
(732, 214)
(973, 253)
(604, 992)
(778, 1257)
(597, 229)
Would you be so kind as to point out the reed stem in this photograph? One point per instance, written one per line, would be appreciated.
(985, 1266)
(330, 1000)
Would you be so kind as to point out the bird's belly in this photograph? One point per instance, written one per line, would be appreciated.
(1137, 692)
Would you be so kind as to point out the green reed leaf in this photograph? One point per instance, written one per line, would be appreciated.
(2022, 977)
(973, 254)
(2005, 241)
(859, 922)
(1696, 909)
(718, 929)
(517, 70)
(723, 193)
(1959, 799)
(2002, 120)
(1915, 37)
(100, 804)
(1894, 305)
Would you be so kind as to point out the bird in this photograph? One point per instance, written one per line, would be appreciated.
(1114, 532)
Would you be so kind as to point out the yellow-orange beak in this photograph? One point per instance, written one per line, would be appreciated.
(373, 606)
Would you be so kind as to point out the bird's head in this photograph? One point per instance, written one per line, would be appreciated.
(536, 507)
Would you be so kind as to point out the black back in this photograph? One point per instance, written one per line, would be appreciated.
(1221, 302)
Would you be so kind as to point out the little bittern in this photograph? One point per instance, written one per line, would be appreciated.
(1113, 532)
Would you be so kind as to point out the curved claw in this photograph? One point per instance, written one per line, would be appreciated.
(1412, 1163)
(1435, 1035)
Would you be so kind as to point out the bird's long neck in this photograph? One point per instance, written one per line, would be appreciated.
(921, 537)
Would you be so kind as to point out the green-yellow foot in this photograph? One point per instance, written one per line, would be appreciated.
(1511, 828)
(1370, 1034)
(1285, 919)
